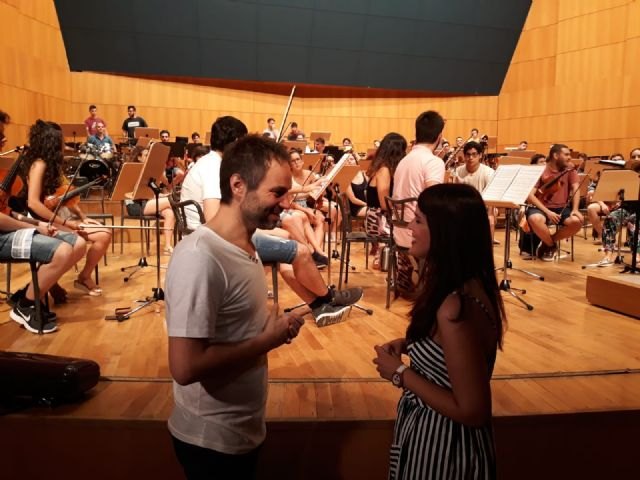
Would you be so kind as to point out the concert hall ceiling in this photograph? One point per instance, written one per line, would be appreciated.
(446, 46)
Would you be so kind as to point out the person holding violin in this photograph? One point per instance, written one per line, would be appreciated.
(555, 200)
(46, 186)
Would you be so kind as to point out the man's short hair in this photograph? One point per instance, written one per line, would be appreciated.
(472, 144)
(320, 140)
(271, 119)
(250, 158)
(524, 141)
(294, 125)
(474, 129)
(555, 148)
(4, 118)
(194, 135)
(131, 106)
(226, 130)
(428, 126)
(91, 107)
(162, 132)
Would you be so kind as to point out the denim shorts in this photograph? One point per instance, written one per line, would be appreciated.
(274, 249)
(563, 212)
(42, 246)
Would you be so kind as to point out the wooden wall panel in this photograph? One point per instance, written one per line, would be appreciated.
(582, 90)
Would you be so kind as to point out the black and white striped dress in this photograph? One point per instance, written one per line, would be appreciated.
(428, 445)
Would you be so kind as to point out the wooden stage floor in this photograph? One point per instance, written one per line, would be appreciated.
(565, 356)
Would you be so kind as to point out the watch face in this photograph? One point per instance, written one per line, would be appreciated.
(395, 379)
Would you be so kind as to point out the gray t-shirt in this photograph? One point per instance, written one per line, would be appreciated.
(216, 290)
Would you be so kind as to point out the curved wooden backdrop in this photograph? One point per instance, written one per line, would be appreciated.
(573, 78)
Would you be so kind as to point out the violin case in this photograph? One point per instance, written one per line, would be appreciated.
(45, 379)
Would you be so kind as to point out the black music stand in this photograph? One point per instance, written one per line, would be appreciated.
(508, 189)
(148, 187)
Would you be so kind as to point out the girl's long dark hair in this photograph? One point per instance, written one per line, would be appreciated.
(45, 142)
(460, 250)
(392, 149)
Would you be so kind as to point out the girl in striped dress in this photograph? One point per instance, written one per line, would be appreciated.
(443, 429)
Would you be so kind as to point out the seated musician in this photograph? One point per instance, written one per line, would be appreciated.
(596, 211)
(303, 185)
(476, 174)
(619, 217)
(295, 133)
(305, 225)
(380, 185)
(27, 239)
(46, 183)
(555, 200)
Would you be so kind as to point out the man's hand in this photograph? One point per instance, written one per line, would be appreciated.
(578, 215)
(281, 329)
(553, 217)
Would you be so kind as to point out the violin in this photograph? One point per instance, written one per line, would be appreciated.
(550, 183)
(11, 183)
(69, 196)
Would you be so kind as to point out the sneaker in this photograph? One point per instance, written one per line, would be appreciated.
(543, 251)
(320, 259)
(605, 262)
(327, 314)
(345, 297)
(17, 296)
(549, 254)
(26, 316)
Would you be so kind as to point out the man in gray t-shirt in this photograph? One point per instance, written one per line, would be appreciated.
(219, 327)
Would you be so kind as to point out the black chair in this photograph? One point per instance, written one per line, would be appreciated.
(396, 218)
(349, 237)
(144, 221)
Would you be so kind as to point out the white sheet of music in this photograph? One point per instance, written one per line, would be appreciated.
(511, 184)
(523, 183)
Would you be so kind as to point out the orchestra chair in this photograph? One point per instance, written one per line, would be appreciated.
(144, 221)
(395, 218)
(182, 229)
(33, 265)
(349, 237)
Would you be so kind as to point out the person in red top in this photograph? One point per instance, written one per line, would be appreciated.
(557, 203)
(91, 122)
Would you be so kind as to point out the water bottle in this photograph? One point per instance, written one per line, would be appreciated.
(385, 259)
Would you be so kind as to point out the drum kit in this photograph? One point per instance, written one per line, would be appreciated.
(91, 162)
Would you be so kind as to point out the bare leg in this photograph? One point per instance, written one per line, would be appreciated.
(593, 213)
(100, 240)
(571, 226)
(538, 223)
(167, 215)
(49, 273)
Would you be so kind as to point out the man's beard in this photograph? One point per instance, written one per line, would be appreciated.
(263, 218)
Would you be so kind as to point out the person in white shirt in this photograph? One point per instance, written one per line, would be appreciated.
(476, 174)
(271, 129)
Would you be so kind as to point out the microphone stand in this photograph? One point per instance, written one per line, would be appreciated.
(157, 295)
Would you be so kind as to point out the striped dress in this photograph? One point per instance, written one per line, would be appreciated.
(428, 445)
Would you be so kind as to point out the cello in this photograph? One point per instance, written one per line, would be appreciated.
(11, 184)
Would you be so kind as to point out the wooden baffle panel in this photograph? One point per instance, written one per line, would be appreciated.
(620, 293)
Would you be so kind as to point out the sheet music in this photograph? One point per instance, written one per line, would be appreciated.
(330, 176)
(512, 183)
(500, 182)
(522, 185)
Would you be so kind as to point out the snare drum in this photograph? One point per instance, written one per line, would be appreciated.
(93, 169)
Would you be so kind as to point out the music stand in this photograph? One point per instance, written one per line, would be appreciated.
(315, 135)
(153, 133)
(148, 186)
(509, 188)
(73, 130)
(298, 144)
